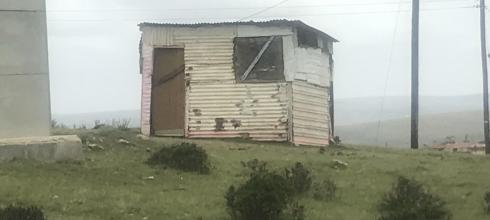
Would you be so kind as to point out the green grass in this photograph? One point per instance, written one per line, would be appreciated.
(113, 184)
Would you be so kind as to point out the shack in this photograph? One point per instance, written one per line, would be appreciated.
(265, 81)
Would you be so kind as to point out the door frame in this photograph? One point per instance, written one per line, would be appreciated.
(186, 92)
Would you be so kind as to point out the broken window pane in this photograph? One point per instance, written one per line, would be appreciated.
(270, 66)
(307, 38)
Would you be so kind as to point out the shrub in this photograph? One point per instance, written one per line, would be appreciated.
(185, 156)
(54, 123)
(408, 200)
(297, 211)
(255, 165)
(299, 177)
(21, 213)
(336, 141)
(486, 199)
(325, 191)
(264, 196)
(121, 124)
(322, 150)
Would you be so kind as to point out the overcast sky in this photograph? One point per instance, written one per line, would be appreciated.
(94, 45)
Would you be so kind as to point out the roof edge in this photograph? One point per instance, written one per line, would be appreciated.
(281, 22)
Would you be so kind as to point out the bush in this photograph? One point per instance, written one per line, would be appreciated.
(299, 177)
(185, 156)
(325, 191)
(336, 142)
(255, 165)
(408, 200)
(21, 213)
(297, 211)
(121, 124)
(322, 150)
(487, 202)
(264, 196)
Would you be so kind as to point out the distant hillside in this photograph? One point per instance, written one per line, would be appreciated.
(88, 119)
(368, 109)
(357, 119)
(433, 128)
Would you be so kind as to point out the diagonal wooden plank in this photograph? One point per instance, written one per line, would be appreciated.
(257, 58)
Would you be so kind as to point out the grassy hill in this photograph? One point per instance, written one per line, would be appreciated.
(114, 183)
(433, 128)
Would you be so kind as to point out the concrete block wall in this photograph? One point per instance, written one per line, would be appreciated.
(24, 72)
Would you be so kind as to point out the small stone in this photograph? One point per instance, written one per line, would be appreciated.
(148, 150)
(338, 164)
(150, 178)
(95, 147)
(123, 141)
(142, 137)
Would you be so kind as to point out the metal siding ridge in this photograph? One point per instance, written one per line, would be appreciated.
(310, 114)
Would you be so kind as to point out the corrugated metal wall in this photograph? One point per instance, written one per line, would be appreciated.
(311, 119)
(216, 105)
(312, 66)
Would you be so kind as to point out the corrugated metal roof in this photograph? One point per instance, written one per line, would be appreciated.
(270, 23)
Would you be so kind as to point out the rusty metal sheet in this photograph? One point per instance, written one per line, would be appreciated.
(218, 107)
(256, 111)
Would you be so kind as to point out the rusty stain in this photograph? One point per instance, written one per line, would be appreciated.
(220, 124)
(197, 112)
(236, 123)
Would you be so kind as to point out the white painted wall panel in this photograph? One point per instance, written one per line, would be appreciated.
(255, 31)
(312, 66)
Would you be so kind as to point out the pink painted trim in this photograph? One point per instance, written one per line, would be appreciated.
(146, 90)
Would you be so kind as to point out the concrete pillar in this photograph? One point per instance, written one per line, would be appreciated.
(24, 72)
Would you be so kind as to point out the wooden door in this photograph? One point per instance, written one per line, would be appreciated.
(168, 92)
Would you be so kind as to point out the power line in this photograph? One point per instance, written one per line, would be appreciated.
(388, 70)
(260, 17)
(251, 8)
(263, 10)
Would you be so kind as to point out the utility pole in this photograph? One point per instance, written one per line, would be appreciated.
(415, 75)
(485, 76)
